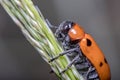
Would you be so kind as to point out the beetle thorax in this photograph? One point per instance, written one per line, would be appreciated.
(76, 33)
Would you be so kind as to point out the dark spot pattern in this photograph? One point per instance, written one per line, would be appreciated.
(89, 43)
(105, 61)
(101, 64)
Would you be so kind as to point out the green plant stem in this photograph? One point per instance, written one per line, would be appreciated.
(38, 33)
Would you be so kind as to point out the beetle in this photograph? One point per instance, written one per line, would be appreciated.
(87, 57)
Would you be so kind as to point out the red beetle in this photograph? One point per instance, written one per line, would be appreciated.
(89, 59)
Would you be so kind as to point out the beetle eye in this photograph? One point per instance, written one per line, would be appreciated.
(68, 26)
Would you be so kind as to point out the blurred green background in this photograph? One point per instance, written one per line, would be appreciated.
(100, 18)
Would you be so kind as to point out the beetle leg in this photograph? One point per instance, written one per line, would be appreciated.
(88, 73)
(66, 42)
(63, 53)
(70, 64)
(93, 74)
(82, 66)
(91, 69)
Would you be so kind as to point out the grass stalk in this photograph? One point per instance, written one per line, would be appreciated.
(37, 32)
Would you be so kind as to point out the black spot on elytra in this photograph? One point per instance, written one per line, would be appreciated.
(89, 43)
(101, 64)
(105, 61)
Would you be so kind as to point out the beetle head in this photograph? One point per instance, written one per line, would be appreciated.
(63, 30)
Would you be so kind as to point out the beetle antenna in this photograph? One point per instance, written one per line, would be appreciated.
(50, 25)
